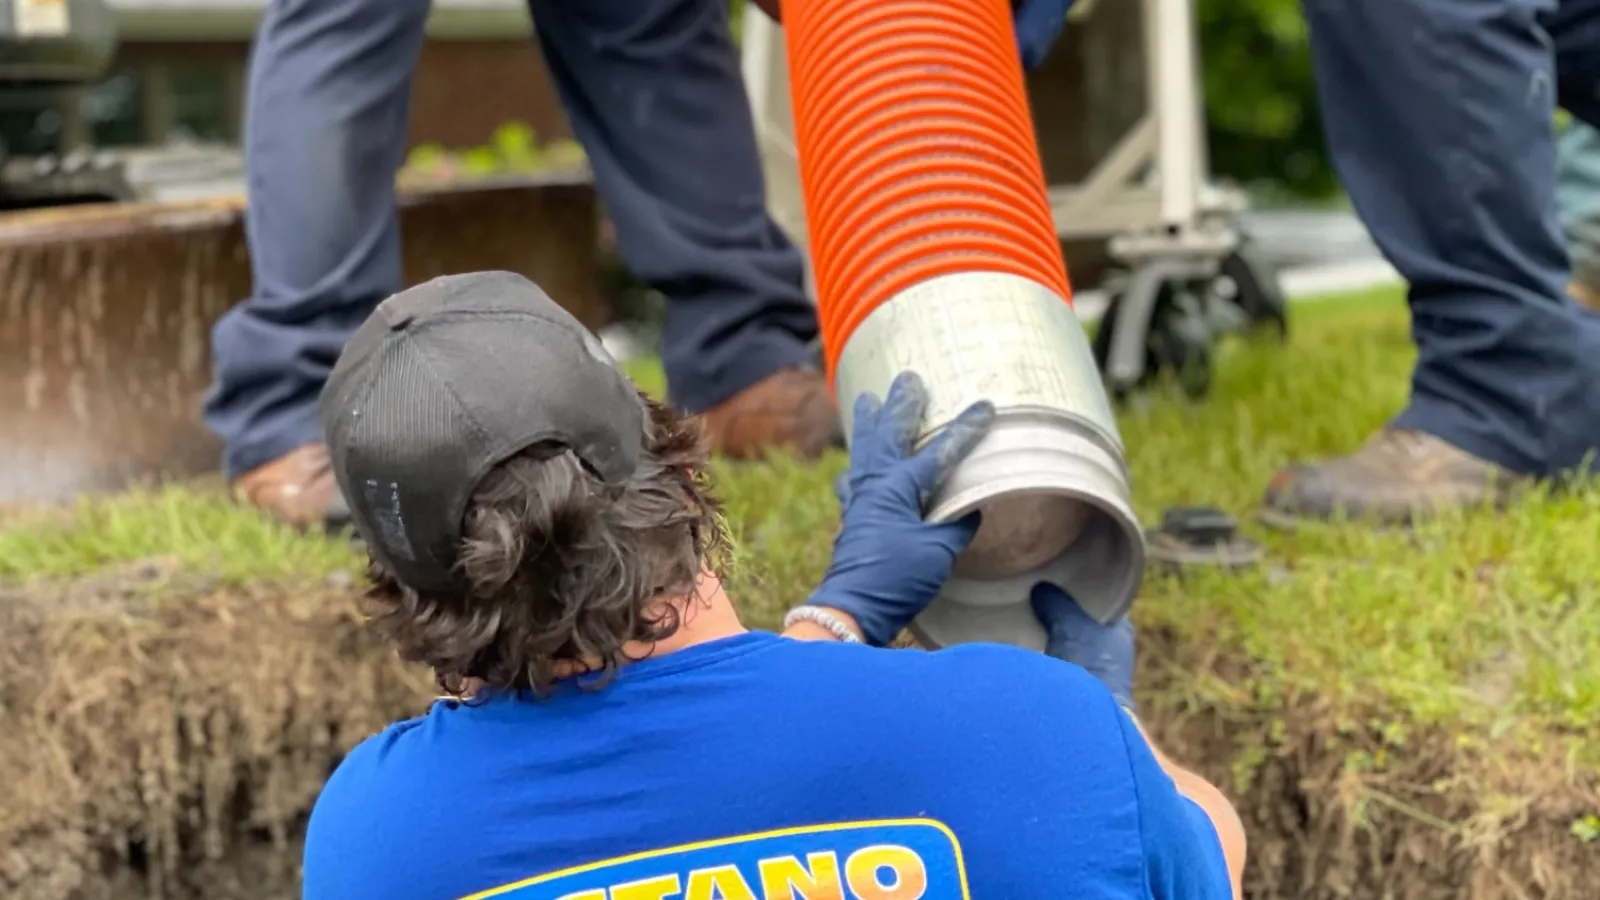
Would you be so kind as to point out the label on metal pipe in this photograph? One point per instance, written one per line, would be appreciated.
(978, 336)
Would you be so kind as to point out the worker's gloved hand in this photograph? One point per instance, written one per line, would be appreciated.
(887, 562)
(1104, 651)
(1039, 23)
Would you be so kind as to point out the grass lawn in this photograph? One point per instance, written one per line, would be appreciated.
(1405, 715)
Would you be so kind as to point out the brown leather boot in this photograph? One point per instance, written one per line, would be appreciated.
(791, 409)
(297, 488)
(1399, 476)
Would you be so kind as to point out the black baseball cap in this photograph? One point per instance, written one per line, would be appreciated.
(445, 381)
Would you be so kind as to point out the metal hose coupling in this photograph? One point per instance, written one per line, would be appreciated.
(934, 249)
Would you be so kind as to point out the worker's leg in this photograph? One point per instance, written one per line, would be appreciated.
(1438, 116)
(324, 135)
(654, 93)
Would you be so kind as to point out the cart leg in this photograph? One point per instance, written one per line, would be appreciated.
(1130, 319)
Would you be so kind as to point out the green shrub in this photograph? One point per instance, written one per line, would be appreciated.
(514, 148)
(1261, 100)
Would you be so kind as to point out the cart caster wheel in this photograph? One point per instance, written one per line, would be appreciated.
(1251, 283)
(1178, 344)
(1182, 341)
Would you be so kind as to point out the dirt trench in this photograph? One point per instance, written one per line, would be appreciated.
(166, 737)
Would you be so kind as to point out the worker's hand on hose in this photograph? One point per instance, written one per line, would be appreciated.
(1104, 651)
(887, 562)
(1039, 23)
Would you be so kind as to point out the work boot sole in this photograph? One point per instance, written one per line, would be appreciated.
(1286, 522)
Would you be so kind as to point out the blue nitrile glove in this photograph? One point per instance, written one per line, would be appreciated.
(1104, 651)
(1039, 24)
(887, 562)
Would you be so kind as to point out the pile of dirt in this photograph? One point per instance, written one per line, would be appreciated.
(165, 738)
(1349, 804)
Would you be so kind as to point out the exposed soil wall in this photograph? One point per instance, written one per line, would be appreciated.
(165, 738)
(161, 734)
(1351, 806)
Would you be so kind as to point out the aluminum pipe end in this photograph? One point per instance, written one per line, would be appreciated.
(1056, 508)
(1049, 479)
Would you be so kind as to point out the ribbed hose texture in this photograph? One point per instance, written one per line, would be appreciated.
(917, 151)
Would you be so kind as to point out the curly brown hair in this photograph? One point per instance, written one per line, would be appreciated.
(562, 567)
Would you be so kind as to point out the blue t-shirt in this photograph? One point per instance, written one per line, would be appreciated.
(762, 768)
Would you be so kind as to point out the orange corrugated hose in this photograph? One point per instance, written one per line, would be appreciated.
(917, 151)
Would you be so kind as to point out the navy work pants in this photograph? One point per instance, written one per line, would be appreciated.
(1439, 116)
(653, 91)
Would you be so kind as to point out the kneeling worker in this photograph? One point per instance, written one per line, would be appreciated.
(544, 539)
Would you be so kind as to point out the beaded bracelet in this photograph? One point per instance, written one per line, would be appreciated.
(816, 615)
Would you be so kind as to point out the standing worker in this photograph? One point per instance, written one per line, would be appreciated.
(1438, 116)
(653, 91)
